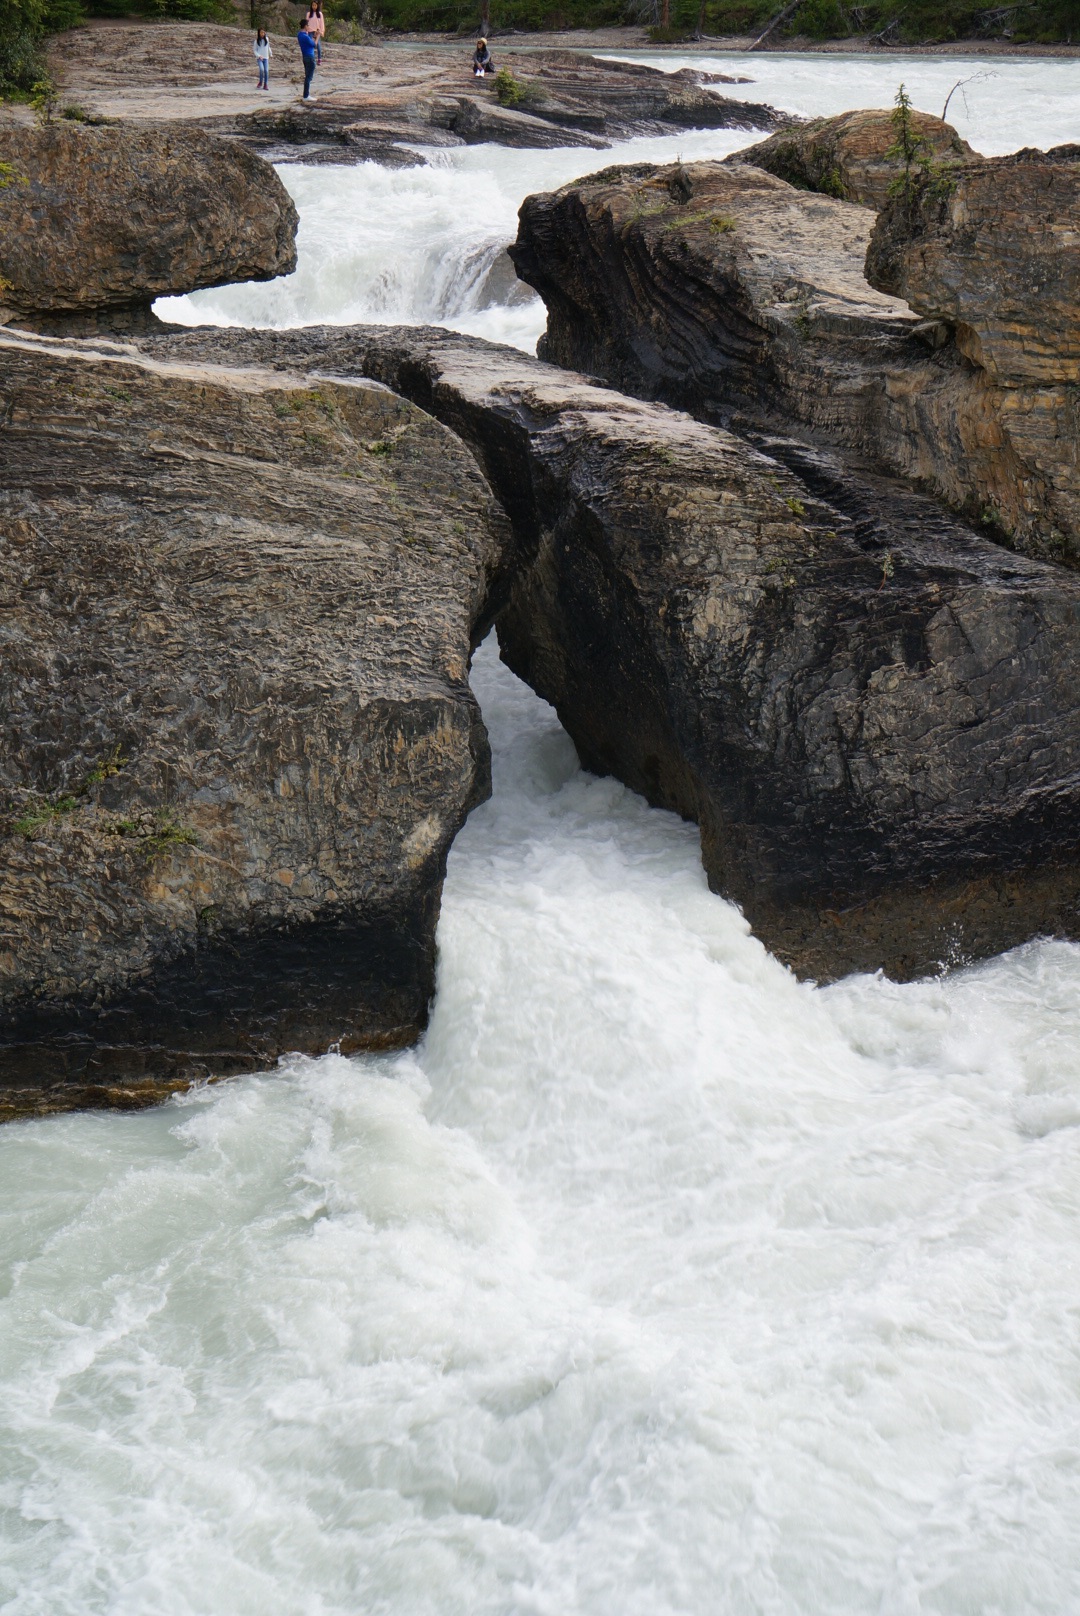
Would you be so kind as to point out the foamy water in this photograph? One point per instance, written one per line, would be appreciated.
(426, 245)
(651, 1283)
(1005, 102)
(422, 246)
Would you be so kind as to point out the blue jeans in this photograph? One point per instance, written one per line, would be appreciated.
(264, 73)
(309, 73)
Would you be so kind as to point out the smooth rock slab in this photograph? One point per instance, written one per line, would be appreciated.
(102, 218)
(236, 731)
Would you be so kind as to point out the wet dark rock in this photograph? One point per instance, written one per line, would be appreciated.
(477, 122)
(237, 731)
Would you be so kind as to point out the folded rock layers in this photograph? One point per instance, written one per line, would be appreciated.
(238, 736)
(869, 709)
(726, 291)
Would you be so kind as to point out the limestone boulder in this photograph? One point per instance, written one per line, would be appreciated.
(993, 248)
(100, 218)
(852, 156)
(236, 730)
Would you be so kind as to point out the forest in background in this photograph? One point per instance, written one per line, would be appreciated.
(893, 22)
(25, 24)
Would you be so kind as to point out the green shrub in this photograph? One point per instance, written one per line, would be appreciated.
(509, 91)
(22, 57)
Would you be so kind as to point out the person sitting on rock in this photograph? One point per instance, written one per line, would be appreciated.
(306, 43)
(315, 23)
(481, 62)
(263, 54)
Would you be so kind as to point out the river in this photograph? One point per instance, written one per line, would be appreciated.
(653, 1283)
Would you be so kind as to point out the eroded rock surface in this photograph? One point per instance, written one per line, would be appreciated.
(994, 249)
(726, 291)
(869, 709)
(104, 219)
(238, 736)
(372, 103)
(852, 156)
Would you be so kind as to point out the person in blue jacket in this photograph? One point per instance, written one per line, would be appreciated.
(306, 43)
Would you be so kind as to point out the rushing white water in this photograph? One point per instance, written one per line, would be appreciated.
(425, 245)
(420, 246)
(1006, 103)
(652, 1284)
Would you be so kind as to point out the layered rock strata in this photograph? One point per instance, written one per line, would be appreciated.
(96, 222)
(238, 736)
(993, 249)
(853, 156)
(728, 292)
(869, 710)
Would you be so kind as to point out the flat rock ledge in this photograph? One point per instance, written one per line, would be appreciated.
(567, 99)
(868, 708)
(238, 734)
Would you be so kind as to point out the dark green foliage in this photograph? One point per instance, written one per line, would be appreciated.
(904, 21)
(190, 10)
(936, 21)
(822, 19)
(22, 60)
(22, 57)
(507, 89)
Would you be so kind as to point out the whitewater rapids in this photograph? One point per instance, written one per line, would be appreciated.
(652, 1283)
(421, 246)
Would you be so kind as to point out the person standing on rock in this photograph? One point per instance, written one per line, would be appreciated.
(306, 43)
(315, 23)
(263, 54)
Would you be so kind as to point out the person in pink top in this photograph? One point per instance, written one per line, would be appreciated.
(315, 23)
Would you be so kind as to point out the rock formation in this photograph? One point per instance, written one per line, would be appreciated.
(993, 248)
(372, 103)
(238, 735)
(566, 100)
(726, 291)
(869, 709)
(852, 156)
(98, 221)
